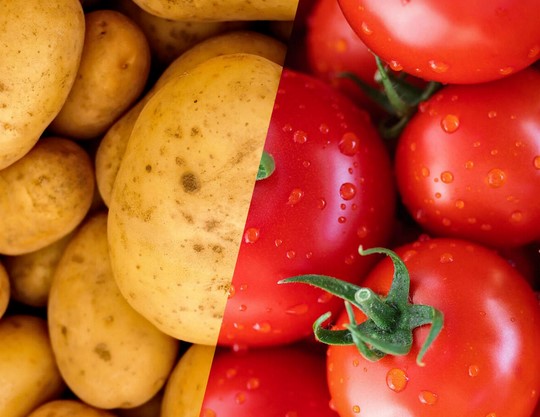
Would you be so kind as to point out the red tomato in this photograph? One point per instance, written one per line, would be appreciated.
(331, 191)
(449, 41)
(483, 363)
(468, 163)
(284, 381)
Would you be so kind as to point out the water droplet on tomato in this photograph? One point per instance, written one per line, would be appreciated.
(306, 164)
(347, 191)
(395, 66)
(408, 255)
(342, 219)
(425, 172)
(491, 415)
(322, 203)
(287, 128)
(349, 144)
(324, 298)
(343, 206)
(366, 29)
(450, 123)
(295, 196)
(396, 379)
(536, 162)
(231, 292)
(438, 195)
(208, 412)
(300, 136)
(469, 165)
(516, 217)
(471, 220)
(460, 204)
(263, 327)
(298, 309)
(506, 70)
(251, 235)
(362, 232)
(473, 370)
(446, 222)
(438, 66)
(496, 178)
(323, 128)
(492, 114)
(355, 409)
(238, 326)
(253, 383)
(486, 227)
(291, 254)
(231, 373)
(427, 397)
(278, 243)
(534, 51)
(447, 177)
(349, 259)
(242, 307)
(240, 398)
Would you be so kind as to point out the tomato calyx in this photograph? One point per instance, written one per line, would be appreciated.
(267, 166)
(390, 319)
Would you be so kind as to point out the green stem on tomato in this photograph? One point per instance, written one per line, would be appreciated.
(267, 166)
(390, 321)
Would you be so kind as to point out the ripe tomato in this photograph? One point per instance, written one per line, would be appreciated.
(279, 381)
(485, 360)
(449, 41)
(331, 191)
(468, 163)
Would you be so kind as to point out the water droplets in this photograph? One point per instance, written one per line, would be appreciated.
(473, 370)
(253, 383)
(295, 196)
(395, 66)
(366, 29)
(208, 412)
(298, 309)
(251, 235)
(506, 70)
(450, 123)
(349, 144)
(300, 137)
(536, 162)
(240, 398)
(424, 171)
(347, 191)
(460, 204)
(356, 409)
(396, 379)
(438, 66)
(534, 52)
(263, 327)
(516, 217)
(428, 397)
(447, 177)
(496, 178)
(446, 258)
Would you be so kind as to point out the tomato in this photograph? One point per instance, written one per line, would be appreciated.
(449, 41)
(332, 190)
(281, 381)
(468, 163)
(485, 360)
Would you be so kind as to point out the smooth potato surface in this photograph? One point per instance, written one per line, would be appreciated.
(41, 45)
(68, 408)
(109, 355)
(179, 204)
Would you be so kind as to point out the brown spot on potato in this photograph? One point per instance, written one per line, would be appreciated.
(103, 352)
(211, 225)
(198, 248)
(148, 168)
(190, 182)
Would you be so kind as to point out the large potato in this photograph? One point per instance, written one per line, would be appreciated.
(68, 408)
(184, 392)
(109, 355)
(114, 68)
(209, 10)
(28, 372)
(179, 203)
(113, 145)
(41, 44)
(44, 195)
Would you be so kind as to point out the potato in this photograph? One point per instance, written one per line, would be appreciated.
(209, 10)
(5, 290)
(68, 408)
(151, 408)
(108, 354)
(31, 274)
(168, 39)
(28, 372)
(41, 45)
(184, 392)
(179, 204)
(44, 195)
(113, 145)
(113, 72)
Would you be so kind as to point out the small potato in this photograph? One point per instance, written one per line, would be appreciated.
(68, 408)
(228, 10)
(31, 274)
(113, 145)
(113, 72)
(184, 392)
(179, 204)
(41, 44)
(108, 354)
(5, 290)
(28, 372)
(168, 39)
(44, 195)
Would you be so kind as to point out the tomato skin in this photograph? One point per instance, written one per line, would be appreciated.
(468, 163)
(325, 198)
(485, 360)
(458, 42)
(271, 382)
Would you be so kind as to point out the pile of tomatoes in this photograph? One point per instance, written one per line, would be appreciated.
(454, 191)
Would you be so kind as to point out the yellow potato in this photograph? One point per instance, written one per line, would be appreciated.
(208, 10)
(108, 354)
(151, 408)
(113, 72)
(28, 372)
(31, 274)
(113, 145)
(168, 39)
(44, 195)
(179, 205)
(184, 392)
(41, 44)
(68, 408)
(5, 290)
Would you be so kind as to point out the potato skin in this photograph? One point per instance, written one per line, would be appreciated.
(113, 71)
(179, 206)
(27, 366)
(108, 354)
(68, 408)
(44, 195)
(113, 145)
(5, 290)
(41, 46)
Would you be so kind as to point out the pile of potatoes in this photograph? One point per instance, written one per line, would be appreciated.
(130, 137)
